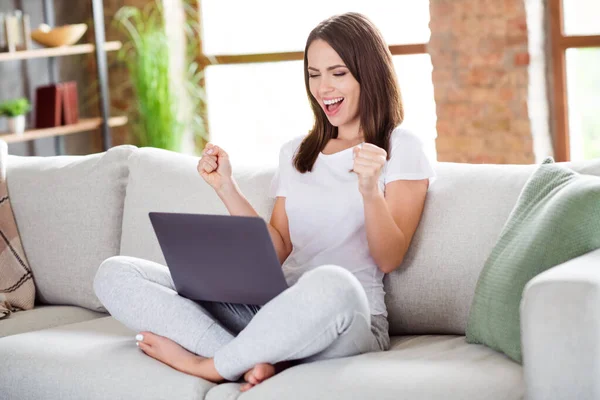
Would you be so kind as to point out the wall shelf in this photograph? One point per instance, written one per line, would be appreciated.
(84, 125)
(57, 51)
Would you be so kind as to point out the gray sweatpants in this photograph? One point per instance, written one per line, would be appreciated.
(324, 315)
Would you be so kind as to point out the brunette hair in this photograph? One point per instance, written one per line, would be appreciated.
(362, 48)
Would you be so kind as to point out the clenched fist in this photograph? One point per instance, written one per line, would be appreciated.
(369, 161)
(214, 166)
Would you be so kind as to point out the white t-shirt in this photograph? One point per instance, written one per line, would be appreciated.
(325, 210)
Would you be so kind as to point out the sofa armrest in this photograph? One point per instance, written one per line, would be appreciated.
(560, 331)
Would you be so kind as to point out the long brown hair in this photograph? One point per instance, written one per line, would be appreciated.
(362, 48)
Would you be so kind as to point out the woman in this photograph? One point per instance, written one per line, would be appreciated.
(349, 196)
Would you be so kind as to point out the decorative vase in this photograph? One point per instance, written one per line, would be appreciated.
(16, 124)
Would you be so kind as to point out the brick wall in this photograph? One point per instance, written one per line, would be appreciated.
(480, 56)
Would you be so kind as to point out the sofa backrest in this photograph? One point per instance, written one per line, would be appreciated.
(166, 181)
(431, 292)
(68, 211)
(465, 211)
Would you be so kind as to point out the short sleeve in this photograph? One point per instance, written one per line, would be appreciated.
(409, 159)
(281, 179)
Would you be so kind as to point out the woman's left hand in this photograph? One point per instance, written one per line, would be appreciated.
(368, 163)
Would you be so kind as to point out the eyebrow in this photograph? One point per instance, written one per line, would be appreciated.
(329, 68)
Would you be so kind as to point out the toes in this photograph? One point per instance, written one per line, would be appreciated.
(248, 374)
(260, 373)
(257, 374)
(264, 371)
(148, 337)
(145, 347)
(250, 377)
(253, 379)
(245, 387)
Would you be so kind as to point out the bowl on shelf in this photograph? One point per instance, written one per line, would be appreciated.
(66, 35)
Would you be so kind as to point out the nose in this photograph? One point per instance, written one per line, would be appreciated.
(325, 86)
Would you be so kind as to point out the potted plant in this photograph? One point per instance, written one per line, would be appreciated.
(162, 112)
(15, 111)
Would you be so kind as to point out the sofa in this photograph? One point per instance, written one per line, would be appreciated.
(73, 212)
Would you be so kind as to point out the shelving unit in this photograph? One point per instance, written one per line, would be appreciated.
(99, 47)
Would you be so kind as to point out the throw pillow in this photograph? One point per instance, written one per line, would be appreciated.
(556, 218)
(70, 213)
(17, 288)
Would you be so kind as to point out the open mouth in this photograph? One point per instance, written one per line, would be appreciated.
(333, 105)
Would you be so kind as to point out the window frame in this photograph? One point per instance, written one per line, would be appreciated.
(559, 45)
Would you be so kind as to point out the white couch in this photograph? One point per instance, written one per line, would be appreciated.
(75, 211)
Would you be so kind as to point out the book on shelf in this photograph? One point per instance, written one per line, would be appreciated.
(70, 103)
(48, 106)
(56, 105)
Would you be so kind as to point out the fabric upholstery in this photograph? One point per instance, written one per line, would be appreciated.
(465, 211)
(416, 367)
(69, 214)
(98, 359)
(45, 316)
(560, 325)
(556, 218)
(430, 293)
(92, 360)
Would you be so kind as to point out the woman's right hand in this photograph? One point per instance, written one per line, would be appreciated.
(214, 167)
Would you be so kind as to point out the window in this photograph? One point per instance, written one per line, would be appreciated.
(272, 26)
(256, 99)
(583, 90)
(581, 17)
(254, 108)
(575, 37)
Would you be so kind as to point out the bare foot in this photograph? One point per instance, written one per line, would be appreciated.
(167, 351)
(256, 375)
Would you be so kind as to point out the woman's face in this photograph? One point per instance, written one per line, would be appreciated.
(332, 84)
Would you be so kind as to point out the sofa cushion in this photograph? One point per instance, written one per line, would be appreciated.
(556, 218)
(465, 211)
(161, 180)
(431, 292)
(45, 316)
(90, 360)
(416, 367)
(69, 214)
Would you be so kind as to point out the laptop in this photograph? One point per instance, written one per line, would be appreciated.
(220, 258)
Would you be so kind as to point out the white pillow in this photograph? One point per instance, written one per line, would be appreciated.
(69, 213)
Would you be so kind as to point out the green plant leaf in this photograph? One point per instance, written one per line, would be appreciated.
(16, 107)
(159, 116)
